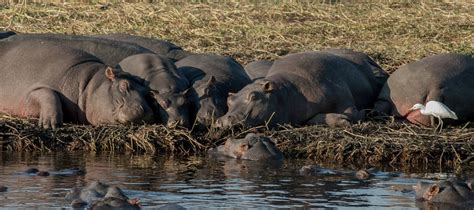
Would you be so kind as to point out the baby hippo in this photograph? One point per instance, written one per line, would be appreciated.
(252, 147)
(445, 192)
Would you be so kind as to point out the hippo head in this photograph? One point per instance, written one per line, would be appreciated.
(174, 108)
(252, 147)
(120, 98)
(212, 103)
(254, 105)
(443, 192)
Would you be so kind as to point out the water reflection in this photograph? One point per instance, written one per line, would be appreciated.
(196, 182)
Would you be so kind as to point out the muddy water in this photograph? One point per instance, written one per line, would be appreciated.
(200, 182)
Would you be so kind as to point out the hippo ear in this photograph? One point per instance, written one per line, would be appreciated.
(231, 94)
(268, 86)
(110, 74)
(244, 147)
(431, 192)
(212, 81)
(164, 103)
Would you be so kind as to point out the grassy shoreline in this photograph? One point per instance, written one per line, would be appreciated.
(393, 34)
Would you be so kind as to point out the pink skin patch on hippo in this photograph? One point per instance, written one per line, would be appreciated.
(415, 116)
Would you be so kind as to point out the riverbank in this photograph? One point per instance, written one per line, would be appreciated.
(368, 143)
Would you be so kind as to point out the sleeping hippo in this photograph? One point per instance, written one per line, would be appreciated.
(455, 193)
(212, 77)
(56, 84)
(330, 87)
(258, 69)
(108, 51)
(6, 34)
(252, 147)
(160, 47)
(169, 87)
(100, 196)
(447, 78)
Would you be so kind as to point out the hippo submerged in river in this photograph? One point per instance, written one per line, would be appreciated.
(252, 147)
(212, 78)
(330, 87)
(169, 87)
(57, 84)
(447, 78)
(445, 193)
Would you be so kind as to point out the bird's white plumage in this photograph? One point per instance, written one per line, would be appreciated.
(435, 109)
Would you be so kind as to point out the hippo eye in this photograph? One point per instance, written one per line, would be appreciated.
(252, 96)
(124, 86)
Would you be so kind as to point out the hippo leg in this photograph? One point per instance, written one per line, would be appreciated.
(382, 107)
(349, 115)
(50, 114)
(331, 119)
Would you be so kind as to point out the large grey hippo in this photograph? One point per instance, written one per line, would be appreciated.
(447, 78)
(445, 193)
(108, 51)
(258, 69)
(330, 87)
(160, 47)
(213, 77)
(59, 84)
(252, 147)
(5, 34)
(169, 87)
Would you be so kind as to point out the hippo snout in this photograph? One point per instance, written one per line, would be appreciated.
(225, 121)
(181, 122)
(136, 114)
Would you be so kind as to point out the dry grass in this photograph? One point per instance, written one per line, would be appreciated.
(393, 34)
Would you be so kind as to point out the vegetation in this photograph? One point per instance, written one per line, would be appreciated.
(393, 34)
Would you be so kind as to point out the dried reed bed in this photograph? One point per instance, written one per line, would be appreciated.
(393, 34)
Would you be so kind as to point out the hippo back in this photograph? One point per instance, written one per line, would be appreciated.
(319, 75)
(229, 74)
(160, 47)
(444, 77)
(258, 69)
(108, 51)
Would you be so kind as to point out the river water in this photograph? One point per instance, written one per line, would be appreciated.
(202, 182)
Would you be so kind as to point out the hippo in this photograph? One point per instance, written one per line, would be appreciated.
(326, 87)
(445, 192)
(100, 196)
(445, 78)
(160, 47)
(108, 51)
(212, 77)
(6, 34)
(252, 147)
(71, 86)
(258, 69)
(168, 86)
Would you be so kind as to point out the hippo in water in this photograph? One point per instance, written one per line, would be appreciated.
(169, 87)
(252, 147)
(6, 34)
(160, 47)
(212, 77)
(108, 51)
(453, 193)
(446, 78)
(258, 69)
(57, 84)
(328, 87)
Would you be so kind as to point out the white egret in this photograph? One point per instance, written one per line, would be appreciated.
(435, 109)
